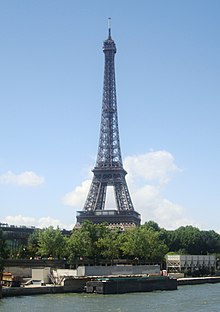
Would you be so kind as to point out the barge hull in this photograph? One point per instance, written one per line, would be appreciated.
(128, 285)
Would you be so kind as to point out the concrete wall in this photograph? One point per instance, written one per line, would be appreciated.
(19, 271)
(118, 270)
(90, 270)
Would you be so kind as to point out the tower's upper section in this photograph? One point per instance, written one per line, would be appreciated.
(109, 44)
(109, 154)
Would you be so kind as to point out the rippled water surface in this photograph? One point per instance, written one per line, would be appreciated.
(187, 298)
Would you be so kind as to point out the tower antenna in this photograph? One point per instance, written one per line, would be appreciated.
(109, 27)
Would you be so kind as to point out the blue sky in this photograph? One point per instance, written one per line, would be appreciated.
(167, 74)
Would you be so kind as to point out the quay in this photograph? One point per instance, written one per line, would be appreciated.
(31, 290)
(103, 285)
(198, 280)
(108, 285)
(70, 285)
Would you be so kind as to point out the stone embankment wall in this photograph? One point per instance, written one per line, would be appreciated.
(23, 268)
(118, 270)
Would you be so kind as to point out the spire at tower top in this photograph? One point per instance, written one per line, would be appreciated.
(109, 27)
(109, 44)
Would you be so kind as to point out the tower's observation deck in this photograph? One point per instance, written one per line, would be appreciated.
(109, 169)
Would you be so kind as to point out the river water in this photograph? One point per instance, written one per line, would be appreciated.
(196, 298)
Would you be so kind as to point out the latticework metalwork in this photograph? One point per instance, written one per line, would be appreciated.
(109, 169)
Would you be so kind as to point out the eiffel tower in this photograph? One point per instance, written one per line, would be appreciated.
(109, 169)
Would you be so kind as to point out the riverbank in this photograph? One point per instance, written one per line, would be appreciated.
(31, 290)
(71, 285)
(107, 285)
(198, 280)
(78, 286)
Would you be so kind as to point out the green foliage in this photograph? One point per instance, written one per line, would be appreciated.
(52, 243)
(191, 240)
(109, 244)
(143, 243)
(3, 253)
(95, 242)
(148, 242)
(210, 242)
(83, 243)
(79, 245)
(33, 243)
(151, 225)
(19, 252)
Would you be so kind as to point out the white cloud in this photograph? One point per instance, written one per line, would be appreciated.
(27, 178)
(153, 206)
(77, 197)
(158, 166)
(19, 220)
(42, 222)
(147, 175)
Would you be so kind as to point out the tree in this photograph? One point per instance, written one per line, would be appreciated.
(79, 245)
(151, 225)
(190, 239)
(83, 243)
(210, 242)
(109, 244)
(3, 253)
(33, 243)
(143, 243)
(94, 232)
(52, 243)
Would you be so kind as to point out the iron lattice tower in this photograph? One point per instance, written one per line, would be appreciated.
(109, 169)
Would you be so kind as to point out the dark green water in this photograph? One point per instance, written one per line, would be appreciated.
(187, 298)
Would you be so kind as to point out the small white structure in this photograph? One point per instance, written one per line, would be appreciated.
(190, 263)
(41, 275)
(59, 275)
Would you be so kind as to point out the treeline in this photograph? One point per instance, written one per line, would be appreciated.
(148, 243)
(3, 253)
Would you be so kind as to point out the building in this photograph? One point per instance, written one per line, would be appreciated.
(191, 264)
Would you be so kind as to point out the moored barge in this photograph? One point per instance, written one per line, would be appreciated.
(120, 285)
